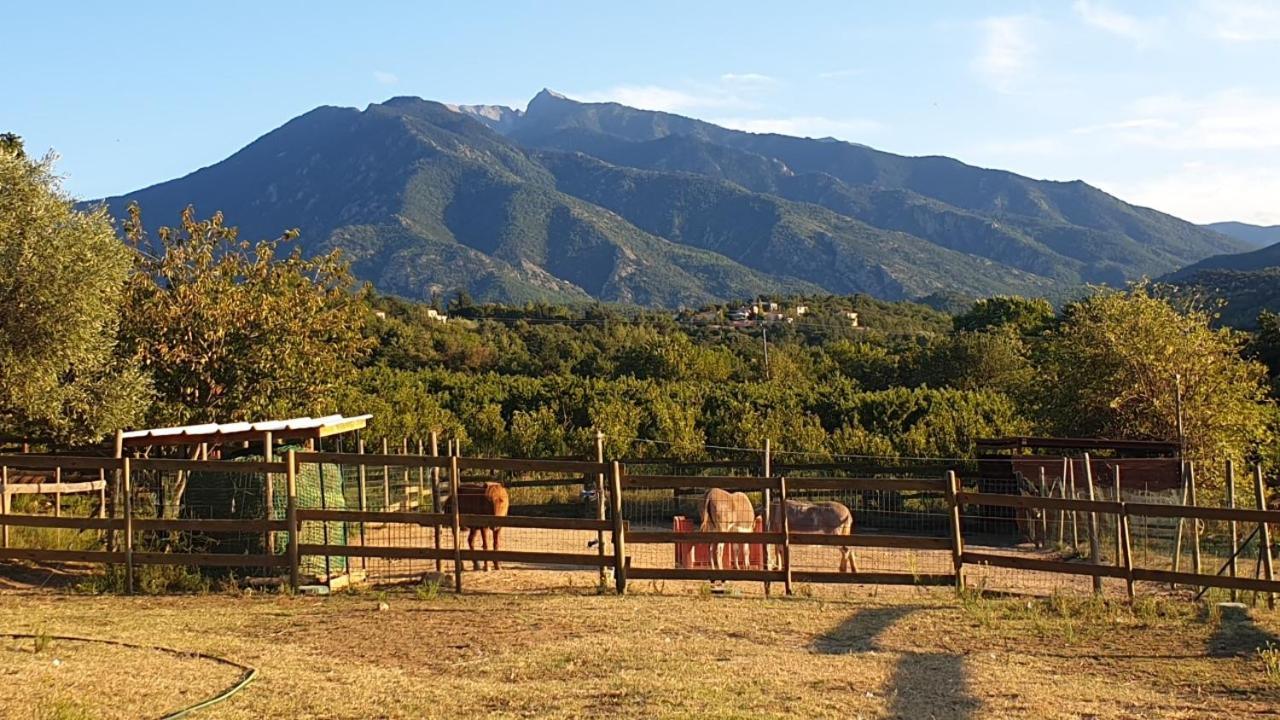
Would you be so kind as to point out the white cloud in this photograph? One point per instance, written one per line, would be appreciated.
(1106, 18)
(1236, 119)
(1006, 53)
(748, 78)
(664, 99)
(1243, 21)
(382, 77)
(1203, 193)
(840, 74)
(804, 126)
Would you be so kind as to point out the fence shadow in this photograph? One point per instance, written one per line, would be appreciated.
(1238, 634)
(858, 632)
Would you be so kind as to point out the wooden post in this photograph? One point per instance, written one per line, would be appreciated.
(1235, 535)
(1075, 516)
(766, 470)
(1177, 541)
(386, 480)
(115, 489)
(435, 494)
(957, 537)
(404, 476)
(1195, 524)
(127, 483)
(362, 492)
(1044, 514)
(1062, 518)
(600, 513)
(786, 535)
(619, 532)
(1095, 551)
(269, 491)
(4, 504)
(422, 481)
(1119, 497)
(454, 486)
(291, 516)
(102, 494)
(57, 492)
(1126, 552)
(1268, 571)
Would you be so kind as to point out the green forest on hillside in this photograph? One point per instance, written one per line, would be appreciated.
(193, 323)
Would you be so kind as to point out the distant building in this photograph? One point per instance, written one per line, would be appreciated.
(379, 314)
(852, 317)
(802, 309)
(436, 315)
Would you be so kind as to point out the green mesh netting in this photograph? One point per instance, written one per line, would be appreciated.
(243, 496)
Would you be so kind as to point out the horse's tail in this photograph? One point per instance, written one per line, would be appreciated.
(706, 514)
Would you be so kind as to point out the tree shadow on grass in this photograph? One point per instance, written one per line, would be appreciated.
(922, 685)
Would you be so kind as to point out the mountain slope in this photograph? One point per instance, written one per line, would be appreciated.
(1254, 235)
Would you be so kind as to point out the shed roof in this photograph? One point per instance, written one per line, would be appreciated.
(293, 428)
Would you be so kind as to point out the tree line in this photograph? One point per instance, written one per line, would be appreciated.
(193, 323)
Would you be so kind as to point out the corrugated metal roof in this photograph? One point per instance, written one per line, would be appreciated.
(207, 431)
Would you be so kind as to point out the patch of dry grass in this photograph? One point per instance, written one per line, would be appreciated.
(669, 650)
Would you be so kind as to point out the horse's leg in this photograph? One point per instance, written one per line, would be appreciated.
(716, 550)
(471, 543)
(484, 543)
(495, 546)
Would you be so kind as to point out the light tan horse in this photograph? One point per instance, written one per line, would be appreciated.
(828, 518)
(728, 512)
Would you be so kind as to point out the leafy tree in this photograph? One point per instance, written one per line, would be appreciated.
(1025, 315)
(1112, 369)
(1265, 347)
(996, 359)
(233, 330)
(62, 274)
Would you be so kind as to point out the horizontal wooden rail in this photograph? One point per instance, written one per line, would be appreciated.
(862, 484)
(872, 578)
(201, 525)
(1052, 566)
(539, 523)
(369, 516)
(370, 459)
(1203, 513)
(1197, 579)
(38, 555)
(540, 558)
(692, 481)
(70, 523)
(49, 462)
(210, 559)
(753, 538)
(426, 553)
(51, 488)
(635, 573)
(532, 465)
(376, 551)
(1036, 501)
(908, 542)
(221, 466)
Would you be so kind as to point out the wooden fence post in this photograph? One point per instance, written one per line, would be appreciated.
(1095, 551)
(1075, 514)
(1195, 523)
(1234, 528)
(766, 470)
(1177, 541)
(57, 492)
(1126, 548)
(4, 504)
(1260, 491)
(386, 480)
(269, 492)
(362, 492)
(1044, 513)
(115, 489)
(619, 532)
(422, 480)
(600, 513)
(291, 516)
(454, 487)
(127, 483)
(1119, 497)
(957, 537)
(435, 495)
(786, 535)
(1062, 517)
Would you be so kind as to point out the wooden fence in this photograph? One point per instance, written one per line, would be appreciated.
(611, 481)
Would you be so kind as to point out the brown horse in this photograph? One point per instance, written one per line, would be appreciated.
(727, 512)
(488, 498)
(828, 518)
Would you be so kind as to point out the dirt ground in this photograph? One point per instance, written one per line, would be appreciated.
(542, 644)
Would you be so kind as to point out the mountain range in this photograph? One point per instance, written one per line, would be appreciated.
(571, 201)
(1254, 235)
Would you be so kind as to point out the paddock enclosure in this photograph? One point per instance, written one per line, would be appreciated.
(306, 517)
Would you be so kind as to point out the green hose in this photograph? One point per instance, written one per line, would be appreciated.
(247, 673)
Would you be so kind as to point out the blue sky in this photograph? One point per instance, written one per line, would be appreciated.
(1171, 105)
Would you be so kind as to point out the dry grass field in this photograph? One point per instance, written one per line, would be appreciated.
(534, 644)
